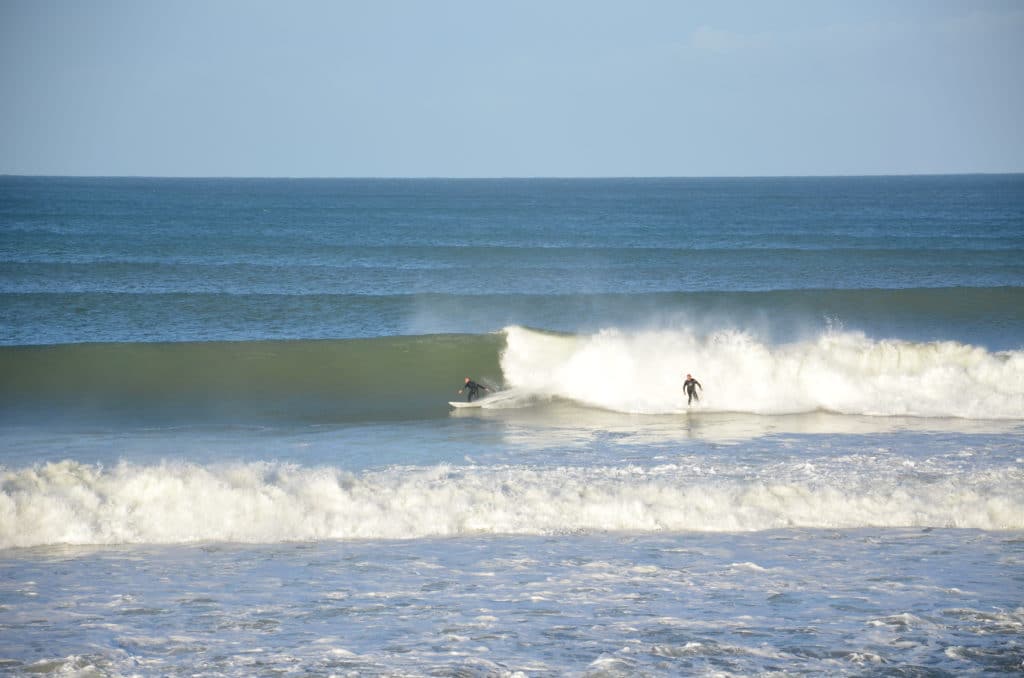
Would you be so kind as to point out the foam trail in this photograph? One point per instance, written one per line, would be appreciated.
(842, 372)
(260, 502)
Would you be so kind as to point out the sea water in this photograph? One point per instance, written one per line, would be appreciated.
(226, 448)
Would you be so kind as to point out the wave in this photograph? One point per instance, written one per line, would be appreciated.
(628, 371)
(153, 312)
(328, 380)
(73, 503)
(840, 372)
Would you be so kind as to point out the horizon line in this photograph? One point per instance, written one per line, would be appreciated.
(506, 177)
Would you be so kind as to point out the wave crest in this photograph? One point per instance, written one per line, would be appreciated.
(842, 372)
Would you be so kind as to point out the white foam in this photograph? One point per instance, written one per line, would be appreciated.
(843, 372)
(75, 503)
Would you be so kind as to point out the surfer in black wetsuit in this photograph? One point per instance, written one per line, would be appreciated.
(690, 386)
(473, 389)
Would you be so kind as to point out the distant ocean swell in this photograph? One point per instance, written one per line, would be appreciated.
(76, 503)
(620, 370)
(37, 314)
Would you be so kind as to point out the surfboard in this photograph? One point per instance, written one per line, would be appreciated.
(463, 403)
(494, 397)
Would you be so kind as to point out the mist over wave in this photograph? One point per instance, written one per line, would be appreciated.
(267, 502)
(842, 372)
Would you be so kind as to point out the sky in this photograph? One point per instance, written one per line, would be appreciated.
(480, 88)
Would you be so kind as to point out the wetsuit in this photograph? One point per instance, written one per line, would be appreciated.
(690, 386)
(473, 389)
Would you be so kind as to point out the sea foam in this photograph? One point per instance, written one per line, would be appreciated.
(263, 502)
(842, 372)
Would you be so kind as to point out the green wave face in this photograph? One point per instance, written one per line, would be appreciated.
(328, 380)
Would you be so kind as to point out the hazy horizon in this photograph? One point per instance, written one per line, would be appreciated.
(509, 178)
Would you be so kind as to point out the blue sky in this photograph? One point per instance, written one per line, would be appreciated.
(482, 89)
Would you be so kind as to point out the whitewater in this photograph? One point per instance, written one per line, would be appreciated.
(842, 372)
(172, 503)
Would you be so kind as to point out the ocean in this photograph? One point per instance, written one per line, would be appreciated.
(226, 444)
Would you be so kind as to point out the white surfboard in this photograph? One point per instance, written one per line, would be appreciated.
(463, 403)
(491, 399)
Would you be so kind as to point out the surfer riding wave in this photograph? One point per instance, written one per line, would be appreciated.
(690, 387)
(473, 390)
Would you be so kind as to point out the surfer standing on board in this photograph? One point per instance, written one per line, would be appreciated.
(473, 388)
(690, 386)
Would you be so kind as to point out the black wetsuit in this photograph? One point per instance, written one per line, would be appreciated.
(690, 386)
(473, 389)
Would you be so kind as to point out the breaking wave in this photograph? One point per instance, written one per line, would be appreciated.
(841, 372)
(630, 371)
(268, 502)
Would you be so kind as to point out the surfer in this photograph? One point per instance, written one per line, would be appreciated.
(473, 389)
(690, 386)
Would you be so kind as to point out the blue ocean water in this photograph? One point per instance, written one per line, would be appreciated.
(227, 446)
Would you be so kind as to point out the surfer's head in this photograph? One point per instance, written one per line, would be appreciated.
(689, 376)
(467, 380)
